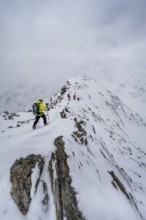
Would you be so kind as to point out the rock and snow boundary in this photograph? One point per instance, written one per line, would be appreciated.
(89, 163)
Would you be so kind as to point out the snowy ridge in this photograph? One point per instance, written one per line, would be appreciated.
(103, 140)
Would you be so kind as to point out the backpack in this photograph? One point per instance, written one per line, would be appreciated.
(35, 109)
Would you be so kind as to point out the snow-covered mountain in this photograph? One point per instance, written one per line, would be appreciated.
(18, 95)
(133, 93)
(88, 163)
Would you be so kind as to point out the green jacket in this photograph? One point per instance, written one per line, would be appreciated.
(41, 107)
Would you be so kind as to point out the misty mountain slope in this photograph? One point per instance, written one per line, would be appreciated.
(19, 95)
(134, 95)
(92, 158)
(14, 94)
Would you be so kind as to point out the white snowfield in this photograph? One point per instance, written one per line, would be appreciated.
(116, 139)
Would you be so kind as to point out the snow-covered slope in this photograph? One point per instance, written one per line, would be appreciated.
(104, 143)
(133, 93)
(20, 94)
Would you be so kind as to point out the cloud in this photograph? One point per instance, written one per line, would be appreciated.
(52, 38)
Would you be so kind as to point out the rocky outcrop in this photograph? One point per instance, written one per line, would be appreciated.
(64, 194)
(9, 116)
(100, 133)
(117, 183)
(80, 135)
(20, 177)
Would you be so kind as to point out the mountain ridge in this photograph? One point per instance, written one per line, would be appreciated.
(106, 162)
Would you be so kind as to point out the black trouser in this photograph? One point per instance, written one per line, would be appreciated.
(37, 119)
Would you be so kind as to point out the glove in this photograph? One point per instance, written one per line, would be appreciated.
(47, 106)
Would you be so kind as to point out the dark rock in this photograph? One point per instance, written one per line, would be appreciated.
(63, 90)
(20, 177)
(79, 126)
(93, 129)
(63, 114)
(80, 136)
(10, 116)
(64, 194)
(66, 110)
(119, 183)
(45, 200)
(6, 112)
(75, 119)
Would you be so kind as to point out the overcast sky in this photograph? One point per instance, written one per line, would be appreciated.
(53, 38)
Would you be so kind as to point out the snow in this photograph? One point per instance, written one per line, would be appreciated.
(121, 140)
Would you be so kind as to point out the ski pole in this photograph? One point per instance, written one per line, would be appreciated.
(38, 124)
(48, 114)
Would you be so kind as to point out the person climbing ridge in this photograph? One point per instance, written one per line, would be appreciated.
(68, 95)
(38, 109)
(74, 97)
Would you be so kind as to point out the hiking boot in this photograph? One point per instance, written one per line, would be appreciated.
(34, 126)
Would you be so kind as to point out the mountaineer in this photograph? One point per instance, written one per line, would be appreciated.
(38, 109)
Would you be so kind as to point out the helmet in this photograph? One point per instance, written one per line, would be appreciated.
(40, 100)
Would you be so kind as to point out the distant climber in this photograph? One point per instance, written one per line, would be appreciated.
(68, 95)
(74, 97)
(38, 109)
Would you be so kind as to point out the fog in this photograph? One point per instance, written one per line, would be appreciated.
(52, 39)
